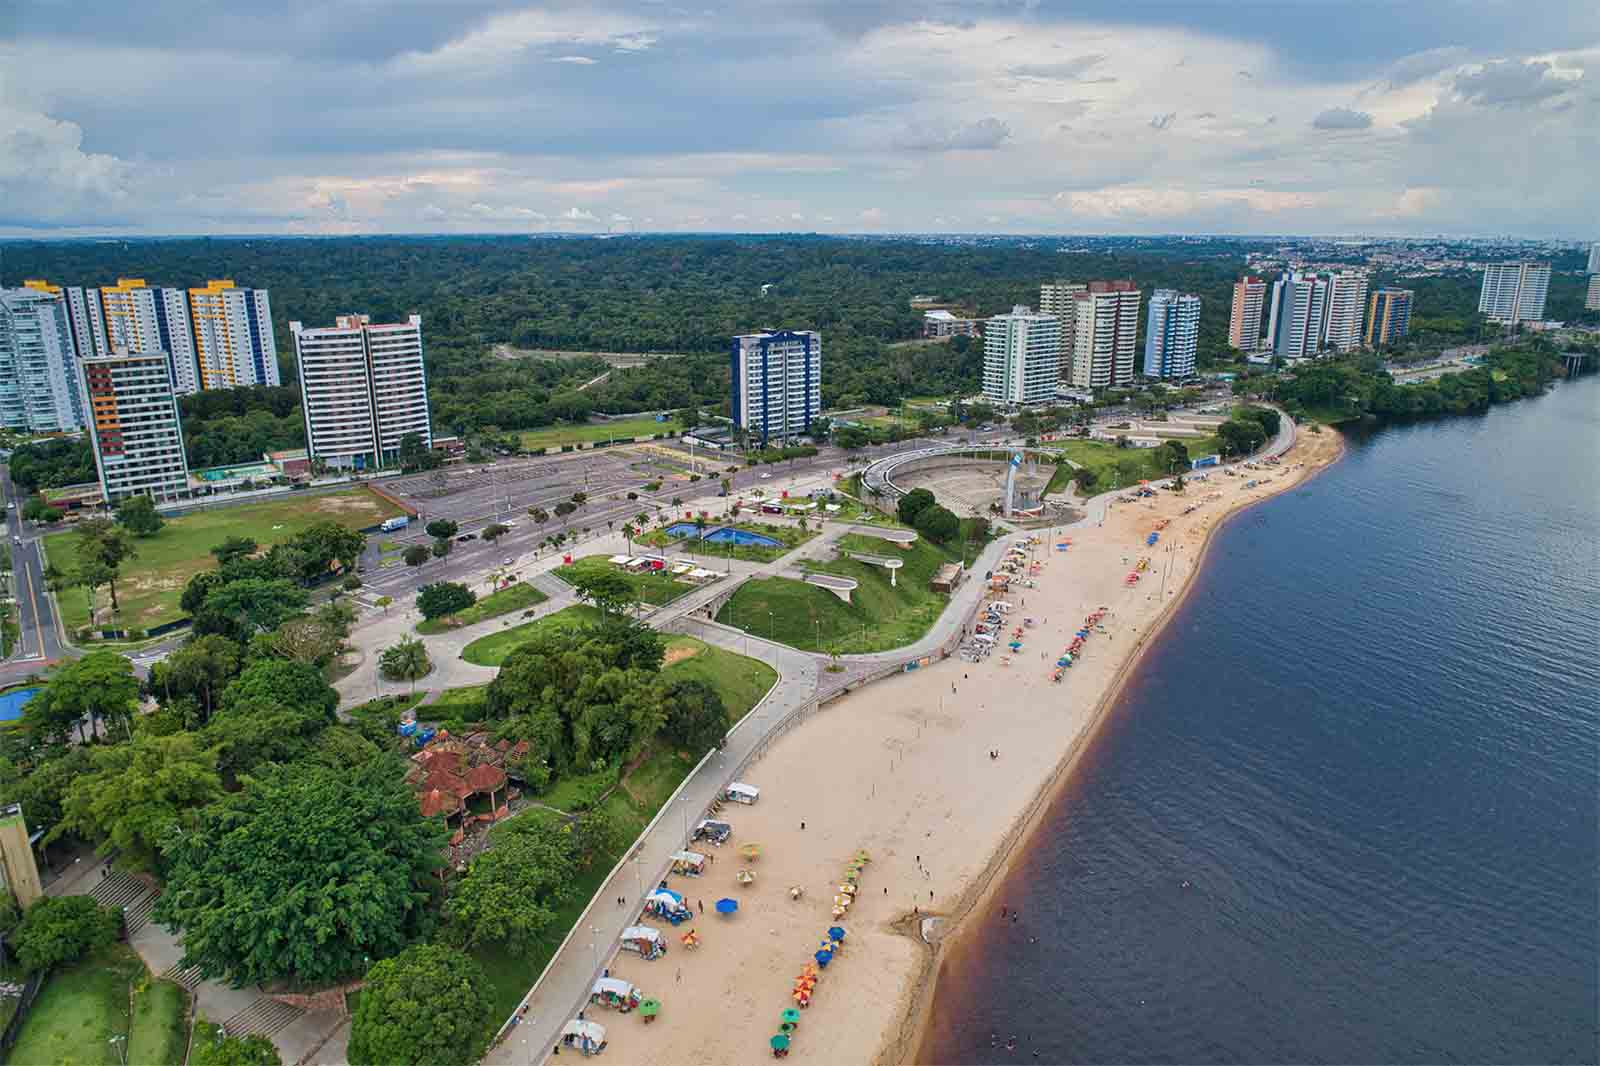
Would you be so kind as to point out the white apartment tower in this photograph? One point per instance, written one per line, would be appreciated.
(1021, 357)
(777, 383)
(1244, 317)
(1105, 328)
(1591, 300)
(138, 441)
(39, 390)
(363, 387)
(216, 337)
(1172, 334)
(1299, 307)
(1514, 292)
(1594, 258)
(1060, 298)
(1346, 312)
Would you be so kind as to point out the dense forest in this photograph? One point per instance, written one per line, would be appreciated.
(670, 295)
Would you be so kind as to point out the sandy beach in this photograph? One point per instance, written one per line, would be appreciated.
(902, 769)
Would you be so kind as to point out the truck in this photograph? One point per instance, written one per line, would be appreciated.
(397, 522)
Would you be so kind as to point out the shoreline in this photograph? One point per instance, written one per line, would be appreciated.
(909, 1046)
(937, 772)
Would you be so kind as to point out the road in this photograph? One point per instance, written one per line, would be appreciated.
(40, 641)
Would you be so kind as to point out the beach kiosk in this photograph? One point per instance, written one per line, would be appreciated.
(739, 792)
(716, 832)
(615, 993)
(643, 941)
(667, 904)
(586, 1038)
(688, 863)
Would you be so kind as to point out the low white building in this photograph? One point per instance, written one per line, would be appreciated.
(940, 323)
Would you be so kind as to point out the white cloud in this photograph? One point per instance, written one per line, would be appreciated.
(578, 214)
(582, 61)
(46, 176)
(505, 38)
(983, 135)
(1342, 118)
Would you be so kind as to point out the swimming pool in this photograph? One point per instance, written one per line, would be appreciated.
(11, 703)
(725, 534)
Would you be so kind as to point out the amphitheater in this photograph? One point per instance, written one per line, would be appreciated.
(967, 484)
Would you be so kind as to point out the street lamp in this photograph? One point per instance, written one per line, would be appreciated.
(120, 1042)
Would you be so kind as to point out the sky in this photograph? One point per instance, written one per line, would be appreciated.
(853, 116)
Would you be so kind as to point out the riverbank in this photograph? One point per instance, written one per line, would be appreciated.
(903, 771)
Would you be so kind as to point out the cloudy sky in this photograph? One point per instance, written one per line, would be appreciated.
(372, 116)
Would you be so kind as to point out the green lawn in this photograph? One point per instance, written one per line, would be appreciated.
(463, 704)
(82, 1006)
(654, 587)
(740, 681)
(789, 538)
(159, 1036)
(513, 597)
(1118, 467)
(880, 615)
(620, 429)
(492, 650)
(151, 583)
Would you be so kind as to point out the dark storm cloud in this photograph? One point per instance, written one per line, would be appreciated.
(1342, 118)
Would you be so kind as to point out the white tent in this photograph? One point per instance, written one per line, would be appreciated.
(641, 932)
(615, 985)
(742, 793)
(576, 1032)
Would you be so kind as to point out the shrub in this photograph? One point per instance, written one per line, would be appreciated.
(62, 929)
(351, 583)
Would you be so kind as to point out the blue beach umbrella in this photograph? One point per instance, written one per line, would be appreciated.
(823, 958)
(727, 906)
(836, 932)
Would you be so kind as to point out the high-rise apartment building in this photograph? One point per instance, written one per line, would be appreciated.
(1346, 310)
(233, 341)
(363, 388)
(1591, 301)
(1021, 357)
(1594, 258)
(777, 382)
(1171, 334)
(1299, 307)
(1060, 298)
(216, 337)
(138, 442)
(1105, 331)
(1514, 292)
(1244, 318)
(1389, 318)
(38, 361)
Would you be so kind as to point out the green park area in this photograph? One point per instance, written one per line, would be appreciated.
(879, 616)
(595, 432)
(492, 650)
(628, 799)
(654, 587)
(1116, 467)
(513, 597)
(105, 994)
(151, 583)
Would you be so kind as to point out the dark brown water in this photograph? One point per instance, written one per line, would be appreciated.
(1348, 810)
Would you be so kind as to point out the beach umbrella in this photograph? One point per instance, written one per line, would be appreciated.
(791, 1016)
(836, 932)
(750, 851)
(650, 1008)
(727, 906)
(823, 958)
(780, 1042)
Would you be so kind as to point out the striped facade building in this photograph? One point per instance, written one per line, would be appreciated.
(363, 388)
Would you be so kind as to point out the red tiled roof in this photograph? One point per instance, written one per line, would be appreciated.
(436, 801)
(486, 778)
(504, 745)
(448, 761)
(445, 781)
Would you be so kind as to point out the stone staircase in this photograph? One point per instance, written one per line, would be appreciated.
(188, 978)
(264, 1017)
(127, 894)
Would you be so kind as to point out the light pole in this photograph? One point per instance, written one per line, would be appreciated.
(638, 877)
(120, 1042)
(683, 806)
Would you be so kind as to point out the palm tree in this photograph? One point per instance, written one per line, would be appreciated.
(700, 531)
(629, 532)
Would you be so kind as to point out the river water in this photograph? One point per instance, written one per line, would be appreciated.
(1348, 810)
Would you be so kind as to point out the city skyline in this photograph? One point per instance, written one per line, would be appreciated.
(929, 118)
